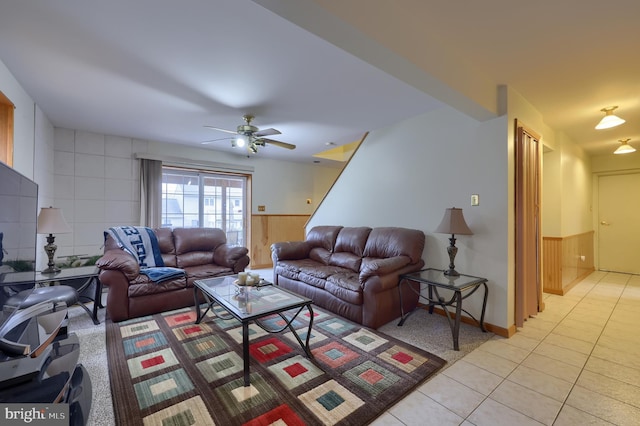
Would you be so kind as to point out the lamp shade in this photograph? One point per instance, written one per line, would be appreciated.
(609, 120)
(625, 148)
(51, 221)
(453, 223)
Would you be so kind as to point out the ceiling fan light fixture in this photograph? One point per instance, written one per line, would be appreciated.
(238, 142)
(249, 136)
(609, 120)
(625, 148)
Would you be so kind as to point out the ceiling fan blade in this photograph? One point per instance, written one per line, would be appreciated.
(221, 130)
(267, 132)
(278, 143)
(214, 140)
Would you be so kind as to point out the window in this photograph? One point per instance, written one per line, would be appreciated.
(192, 198)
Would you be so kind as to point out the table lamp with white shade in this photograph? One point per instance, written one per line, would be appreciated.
(51, 221)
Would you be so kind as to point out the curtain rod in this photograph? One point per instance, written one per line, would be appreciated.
(208, 165)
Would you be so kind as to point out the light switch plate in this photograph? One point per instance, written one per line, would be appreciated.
(475, 200)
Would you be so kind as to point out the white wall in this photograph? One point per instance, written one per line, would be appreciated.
(616, 163)
(566, 192)
(33, 146)
(97, 183)
(552, 193)
(409, 173)
(281, 186)
(576, 217)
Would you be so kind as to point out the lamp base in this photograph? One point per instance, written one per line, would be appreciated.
(50, 249)
(452, 250)
(50, 270)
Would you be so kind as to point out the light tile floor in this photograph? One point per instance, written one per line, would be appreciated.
(576, 363)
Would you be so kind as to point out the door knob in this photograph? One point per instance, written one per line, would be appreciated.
(604, 222)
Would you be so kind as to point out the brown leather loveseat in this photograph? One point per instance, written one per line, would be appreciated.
(200, 252)
(352, 272)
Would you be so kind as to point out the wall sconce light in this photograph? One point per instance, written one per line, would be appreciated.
(51, 221)
(609, 120)
(453, 223)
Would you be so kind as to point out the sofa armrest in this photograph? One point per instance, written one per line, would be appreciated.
(231, 257)
(290, 250)
(118, 295)
(376, 266)
(119, 260)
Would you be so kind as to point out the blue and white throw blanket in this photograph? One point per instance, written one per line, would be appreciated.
(140, 242)
(158, 275)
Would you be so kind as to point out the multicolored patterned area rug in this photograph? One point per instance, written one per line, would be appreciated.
(167, 370)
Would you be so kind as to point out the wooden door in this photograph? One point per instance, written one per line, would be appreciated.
(528, 291)
(618, 224)
(6, 130)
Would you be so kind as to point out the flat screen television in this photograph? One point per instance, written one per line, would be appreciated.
(18, 224)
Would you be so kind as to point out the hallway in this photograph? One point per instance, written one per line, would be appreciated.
(576, 363)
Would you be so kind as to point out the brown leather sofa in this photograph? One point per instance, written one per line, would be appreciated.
(352, 272)
(200, 252)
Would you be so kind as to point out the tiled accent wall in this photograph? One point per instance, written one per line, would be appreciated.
(96, 181)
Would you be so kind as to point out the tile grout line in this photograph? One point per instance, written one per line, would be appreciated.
(581, 299)
(582, 369)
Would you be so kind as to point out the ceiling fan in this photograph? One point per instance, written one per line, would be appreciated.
(250, 136)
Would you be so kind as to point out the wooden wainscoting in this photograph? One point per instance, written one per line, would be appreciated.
(267, 229)
(563, 266)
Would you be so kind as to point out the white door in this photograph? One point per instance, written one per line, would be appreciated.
(619, 223)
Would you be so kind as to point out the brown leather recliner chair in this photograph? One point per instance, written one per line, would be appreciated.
(200, 252)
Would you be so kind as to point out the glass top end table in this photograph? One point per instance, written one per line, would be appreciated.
(81, 278)
(435, 279)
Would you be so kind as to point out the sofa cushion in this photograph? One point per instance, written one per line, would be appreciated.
(375, 266)
(311, 280)
(283, 270)
(165, 240)
(167, 248)
(197, 239)
(391, 242)
(352, 240)
(194, 258)
(322, 271)
(199, 272)
(143, 286)
(346, 260)
(320, 254)
(323, 236)
(345, 286)
(298, 265)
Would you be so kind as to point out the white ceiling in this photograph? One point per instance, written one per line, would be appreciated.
(162, 69)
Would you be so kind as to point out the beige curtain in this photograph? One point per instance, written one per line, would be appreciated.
(150, 193)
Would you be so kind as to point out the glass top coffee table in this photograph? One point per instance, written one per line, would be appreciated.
(250, 304)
